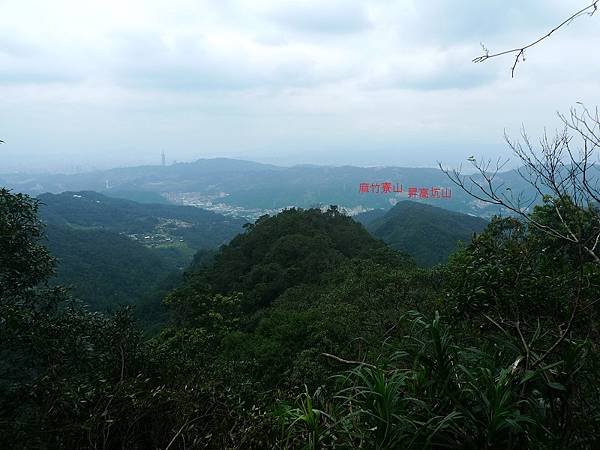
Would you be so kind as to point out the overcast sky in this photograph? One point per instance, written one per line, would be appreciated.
(103, 83)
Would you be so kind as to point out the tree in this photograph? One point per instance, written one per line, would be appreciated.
(65, 373)
(562, 167)
(24, 262)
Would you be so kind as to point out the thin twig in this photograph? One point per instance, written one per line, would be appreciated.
(563, 334)
(525, 346)
(521, 50)
(347, 361)
(189, 422)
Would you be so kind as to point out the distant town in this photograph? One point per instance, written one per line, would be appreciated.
(211, 202)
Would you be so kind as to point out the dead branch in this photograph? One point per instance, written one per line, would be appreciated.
(589, 10)
(563, 334)
(557, 171)
(347, 361)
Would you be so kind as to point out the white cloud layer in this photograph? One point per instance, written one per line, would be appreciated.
(107, 82)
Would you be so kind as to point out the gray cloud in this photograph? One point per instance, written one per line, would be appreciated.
(194, 63)
(35, 78)
(332, 17)
(444, 22)
(23, 62)
(440, 80)
(9, 46)
(433, 70)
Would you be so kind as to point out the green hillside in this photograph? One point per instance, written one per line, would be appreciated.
(427, 233)
(292, 248)
(369, 216)
(115, 252)
(103, 268)
(292, 286)
(153, 224)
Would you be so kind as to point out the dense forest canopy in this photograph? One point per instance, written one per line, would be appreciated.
(304, 331)
(118, 252)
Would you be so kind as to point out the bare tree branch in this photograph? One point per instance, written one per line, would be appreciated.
(563, 333)
(347, 361)
(589, 10)
(556, 171)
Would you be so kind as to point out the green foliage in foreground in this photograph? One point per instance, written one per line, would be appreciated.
(304, 332)
(439, 393)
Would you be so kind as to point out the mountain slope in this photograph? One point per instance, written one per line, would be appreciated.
(105, 269)
(293, 248)
(369, 216)
(114, 251)
(428, 233)
(155, 224)
(289, 288)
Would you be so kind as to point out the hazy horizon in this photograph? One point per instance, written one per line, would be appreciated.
(83, 169)
(105, 84)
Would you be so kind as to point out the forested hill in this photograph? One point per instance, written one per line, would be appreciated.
(105, 269)
(369, 216)
(428, 233)
(165, 223)
(292, 286)
(115, 252)
(292, 248)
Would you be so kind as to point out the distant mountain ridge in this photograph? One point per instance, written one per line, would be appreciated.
(428, 233)
(245, 188)
(368, 216)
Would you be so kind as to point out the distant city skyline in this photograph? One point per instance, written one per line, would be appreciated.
(67, 169)
(109, 83)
